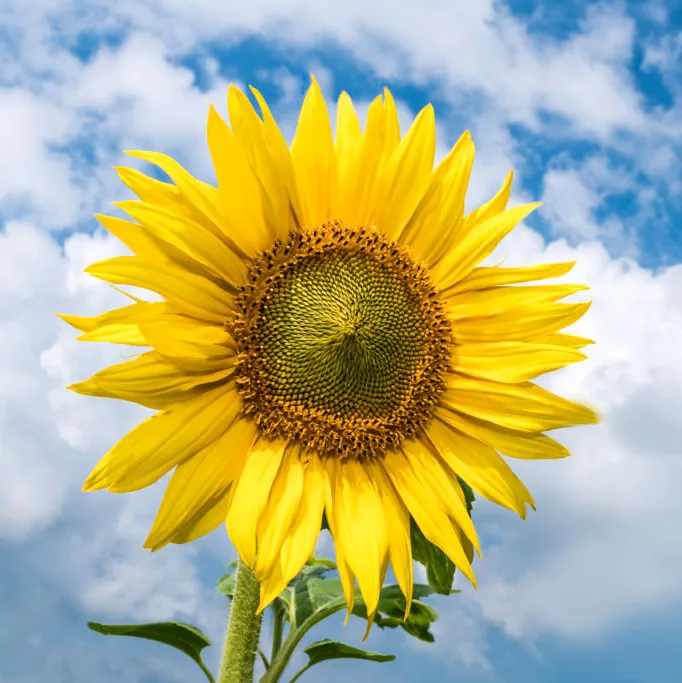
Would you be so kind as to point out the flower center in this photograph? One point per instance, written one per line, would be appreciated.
(342, 342)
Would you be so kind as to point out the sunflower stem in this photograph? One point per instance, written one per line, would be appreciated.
(243, 631)
(277, 627)
(281, 659)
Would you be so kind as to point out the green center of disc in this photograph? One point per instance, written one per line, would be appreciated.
(341, 333)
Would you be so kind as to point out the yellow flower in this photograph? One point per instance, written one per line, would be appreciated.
(328, 343)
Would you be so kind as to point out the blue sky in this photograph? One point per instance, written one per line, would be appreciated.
(583, 100)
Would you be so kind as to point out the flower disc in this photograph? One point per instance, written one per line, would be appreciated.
(343, 342)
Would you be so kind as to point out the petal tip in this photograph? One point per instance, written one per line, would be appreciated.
(370, 621)
(95, 482)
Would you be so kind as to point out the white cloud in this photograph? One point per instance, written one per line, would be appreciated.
(465, 47)
(49, 439)
(604, 545)
(130, 96)
(571, 203)
(477, 47)
(31, 171)
(147, 100)
(575, 194)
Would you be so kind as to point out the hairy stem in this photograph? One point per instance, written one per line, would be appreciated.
(243, 631)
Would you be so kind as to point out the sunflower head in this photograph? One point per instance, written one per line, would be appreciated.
(326, 341)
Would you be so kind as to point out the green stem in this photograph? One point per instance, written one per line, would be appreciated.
(277, 627)
(300, 673)
(279, 662)
(243, 631)
(209, 675)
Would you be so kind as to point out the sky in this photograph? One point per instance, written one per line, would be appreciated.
(583, 100)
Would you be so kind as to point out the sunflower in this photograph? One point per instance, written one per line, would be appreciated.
(327, 343)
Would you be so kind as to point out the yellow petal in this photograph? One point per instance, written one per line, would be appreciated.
(189, 292)
(132, 297)
(405, 177)
(282, 165)
(499, 300)
(279, 512)
(271, 586)
(251, 495)
(477, 245)
(300, 540)
(189, 236)
(306, 528)
(201, 200)
(480, 466)
(526, 407)
(212, 515)
(491, 208)
(201, 482)
(169, 340)
(361, 528)
(509, 442)
(119, 326)
(250, 132)
(568, 340)
(332, 469)
(149, 380)
(164, 195)
(132, 235)
(439, 217)
(443, 485)
(519, 324)
(429, 517)
(347, 148)
(348, 133)
(165, 440)
(359, 189)
(239, 191)
(398, 529)
(392, 123)
(511, 362)
(194, 330)
(485, 277)
(312, 152)
(163, 248)
(116, 333)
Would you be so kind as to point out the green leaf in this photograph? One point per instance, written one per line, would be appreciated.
(323, 591)
(440, 570)
(226, 584)
(321, 562)
(287, 597)
(325, 523)
(419, 622)
(295, 596)
(468, 495)
(394, 593)
(184, 637)
(391, 611)
(324, 650)
(314, 594)
(391, 600)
